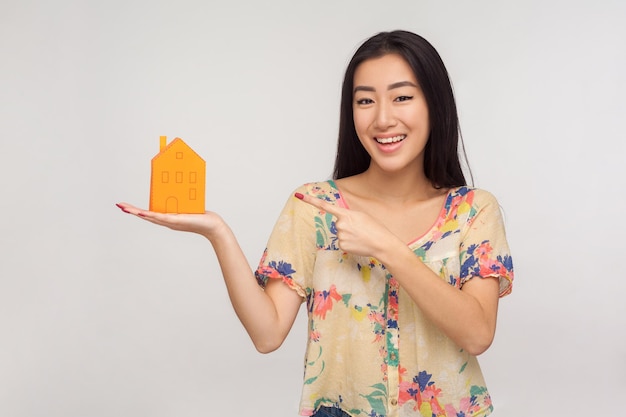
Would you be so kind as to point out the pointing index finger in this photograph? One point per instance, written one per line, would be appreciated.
(320, 204)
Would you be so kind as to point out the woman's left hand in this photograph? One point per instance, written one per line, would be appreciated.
(358, 233)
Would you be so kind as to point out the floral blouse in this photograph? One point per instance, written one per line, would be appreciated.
(370, 350)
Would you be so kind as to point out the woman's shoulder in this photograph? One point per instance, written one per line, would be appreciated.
(472, 195)
(326, 190)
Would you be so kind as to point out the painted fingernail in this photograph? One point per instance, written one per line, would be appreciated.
(141, 215)
(122, 208)
(298, 195)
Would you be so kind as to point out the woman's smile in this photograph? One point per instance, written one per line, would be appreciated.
(388, 140)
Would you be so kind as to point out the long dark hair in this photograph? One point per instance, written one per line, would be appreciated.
(442, 165)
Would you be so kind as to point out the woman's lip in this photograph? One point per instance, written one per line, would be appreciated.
(389, 139)
(391, 147)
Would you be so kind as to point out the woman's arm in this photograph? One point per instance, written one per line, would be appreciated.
(466, 316)
(267, 315)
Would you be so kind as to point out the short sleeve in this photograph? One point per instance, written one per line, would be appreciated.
(484, 250)
(290, 251)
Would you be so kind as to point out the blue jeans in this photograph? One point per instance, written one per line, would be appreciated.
(330, 412)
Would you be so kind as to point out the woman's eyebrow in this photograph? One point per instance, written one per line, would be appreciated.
(401, 84)
(389, 87)
(364, 88)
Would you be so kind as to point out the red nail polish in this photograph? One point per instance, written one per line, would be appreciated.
(122, 208)
(141, 215)
(298, 195)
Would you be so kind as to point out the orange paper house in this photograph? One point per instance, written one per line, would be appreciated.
(177, 183)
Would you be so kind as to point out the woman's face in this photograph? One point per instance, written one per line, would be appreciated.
(390, 114)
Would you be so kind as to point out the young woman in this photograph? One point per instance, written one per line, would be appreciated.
(401, 264)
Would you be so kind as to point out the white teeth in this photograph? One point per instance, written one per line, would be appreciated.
(391, 140)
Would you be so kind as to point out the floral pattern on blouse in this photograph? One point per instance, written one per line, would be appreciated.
(370, 350)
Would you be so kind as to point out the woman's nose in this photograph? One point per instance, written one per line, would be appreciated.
(384, 116)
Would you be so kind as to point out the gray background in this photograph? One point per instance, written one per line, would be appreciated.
(105, 315)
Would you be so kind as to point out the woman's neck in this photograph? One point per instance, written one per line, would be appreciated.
(398, 187)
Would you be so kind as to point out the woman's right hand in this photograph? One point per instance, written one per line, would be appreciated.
(267, 314)
(208, 224)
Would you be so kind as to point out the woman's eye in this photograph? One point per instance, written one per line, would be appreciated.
(404, 98)
(364, 101)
